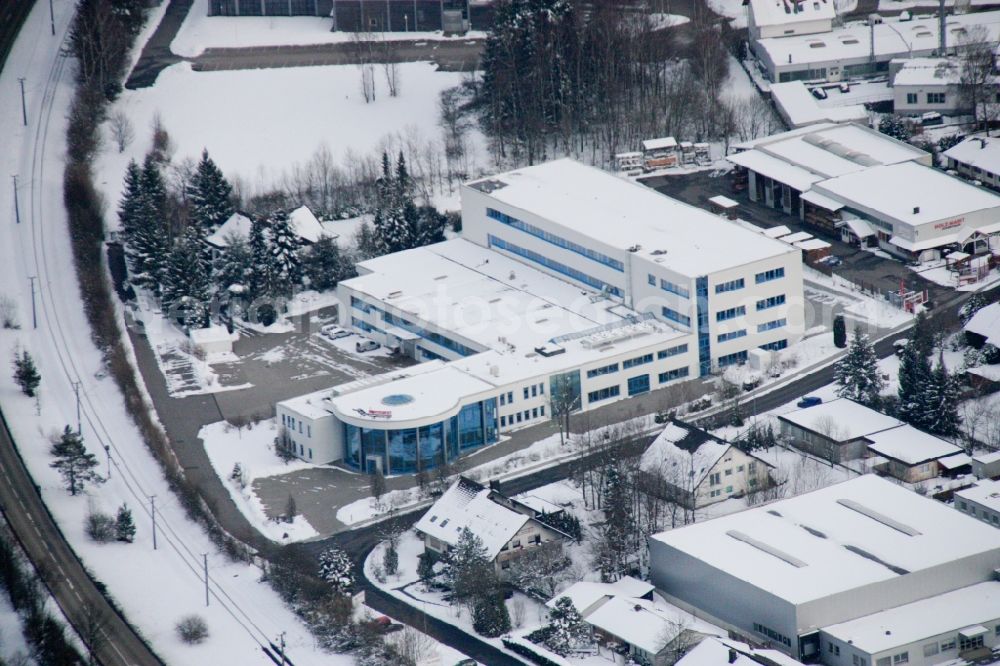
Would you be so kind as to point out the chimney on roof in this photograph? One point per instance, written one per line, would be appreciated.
(732, 656)
(916, 210)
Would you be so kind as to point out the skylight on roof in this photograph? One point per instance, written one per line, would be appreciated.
(878, 517)
(767, 548)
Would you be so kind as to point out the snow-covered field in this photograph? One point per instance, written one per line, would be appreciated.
(253, 449)
(153, 587)
(259, 125)
(201, 31)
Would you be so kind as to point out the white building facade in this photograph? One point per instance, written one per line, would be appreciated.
(569, 289)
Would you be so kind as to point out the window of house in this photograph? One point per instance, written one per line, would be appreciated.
(962, 505)
(534, 390)
(510, 397)
(714, 479)
(930, 649)
(503, 398)
(525, 392)
(518, 416)
(752, 468)
(947, 645)
(729, 489)
(541, 410)
(651, 279)
(527, 414)
(740, 468)
(729, 471)
(534, 413)
(505, 565)
(901, 658)
(503, 421)
(884, 661)
(936, 98)
(969, 643)
(911, 98)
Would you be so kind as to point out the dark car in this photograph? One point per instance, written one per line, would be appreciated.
(809, 401)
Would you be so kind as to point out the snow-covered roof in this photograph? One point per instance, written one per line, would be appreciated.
(658, 144)
(715, 651)
(891, 39)
(841, 420)
(927, 72)
(237, 226)
(987, 458)
(638, 622)
(683, 452)
(777, 232)
(811, 244)
(955, 461)
(914, 622)
(818, 199)
(910, 193)
(801, 108)
(217, 333)
(466, 504)
(786, 12)
(839, 538)
(796, 237)
(629, 217)
(305, 225)
(859, 227)
(977, 151)
(909, 445)
(986, 322)
(986, 492)
(585, 594)
(776, 168)
(539, 504)
(723, 201)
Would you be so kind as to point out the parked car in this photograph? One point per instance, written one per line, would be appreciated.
(900, 345)
(334, 332)
(818, 93)
(845, 87)
(752, 381)
(366, 346)
(809, 401)
(931, 118)
(834, 260)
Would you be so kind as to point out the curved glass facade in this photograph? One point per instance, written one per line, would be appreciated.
(409, 450)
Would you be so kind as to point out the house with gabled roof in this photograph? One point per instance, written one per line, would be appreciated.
(693, 468)
(506, 527)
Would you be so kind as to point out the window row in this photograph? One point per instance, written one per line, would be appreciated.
(603, 370)
(667, 285)
(526, 415)
(731, 313)
(732, 285)
(558, 241)
(732, 335)
(674, 315)
(771, 325)
(733, 359)
(563, 269)
(777, 345)
(772, 634)
(772, 302)
(671, 351)
(767, 276)
(638, 360)
(604, 393)
(290, 422)
(671, 375)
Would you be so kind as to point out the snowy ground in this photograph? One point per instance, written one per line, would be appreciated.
(938, 273)
(257, 139)
(252, 448)
(12, 643)
(201, 31)
(153, 587)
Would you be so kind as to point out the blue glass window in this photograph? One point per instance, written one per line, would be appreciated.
(731, 313)
(563, 269)
(667, 285)
(771, 325)
(674, 315)
(431, 445)
(639, 384)
(352, 445)
(671, 351)
(638, 360)
(604, 393)
(772, 302)
(767, 276)
(402, 450)
(558, 241)
(732, 335)
(732, 285)
(603, 370)
(775, 346)
(671, 375)
(732, 359)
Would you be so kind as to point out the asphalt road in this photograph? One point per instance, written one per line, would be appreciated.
(64, 575)
(156, 55)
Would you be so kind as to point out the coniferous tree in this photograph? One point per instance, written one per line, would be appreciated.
(130, 206)
(233, 266)
(26, 374)
(489, 615)
(839, 332)
(922, 337)
(210, 194)
(284, 254)
(617, 534)
(391, 560)
(150, 242)
(469, 572)
(325, 266)
(857, 373)
(914, 380)
(262, 277)
(73, 462)
(566, 627)
(942, 402)
(185, 280)
(124, 525)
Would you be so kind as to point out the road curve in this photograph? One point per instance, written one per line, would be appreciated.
(64, 575)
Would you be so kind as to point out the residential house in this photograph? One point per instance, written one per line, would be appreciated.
(714, 651)
(912, 455)
(921, 85)
(835, 430)
(976, 158)
(986, 465)
(981, 501)
(984, 327)
(693, 468)
(506, 527)
(782, 18)
(304, 224)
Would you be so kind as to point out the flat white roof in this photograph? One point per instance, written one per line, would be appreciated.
(892, 38)
(914, 622)
(785, 12)
(977, 151)
(835, 539)
(723, 201)
(928, 71)
(841, 420)
(895, 190)
(986, 492)
(621, 214)
(776, 169)
(987, 458)
(910, 446)
(800, 107)
(656, 144)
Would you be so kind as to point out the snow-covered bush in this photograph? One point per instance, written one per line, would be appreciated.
(99, 526)
(192, 629)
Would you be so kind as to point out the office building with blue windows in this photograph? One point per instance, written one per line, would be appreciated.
(569, 286)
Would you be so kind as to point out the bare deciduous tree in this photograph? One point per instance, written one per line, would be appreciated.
(122, 130)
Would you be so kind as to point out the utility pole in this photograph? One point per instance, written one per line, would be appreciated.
(34, 313)
(107, 452)
(52, 19)
(152, 511)
(281, 647)
(17, 209)
(24, 107)
(76, 390)
(205, 558)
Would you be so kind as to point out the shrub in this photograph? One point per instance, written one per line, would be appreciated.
(100, 527)
(192, 629)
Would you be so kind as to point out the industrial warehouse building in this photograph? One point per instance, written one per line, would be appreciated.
(570, 288)
(799, 573)
(860, 50)
(829, 174)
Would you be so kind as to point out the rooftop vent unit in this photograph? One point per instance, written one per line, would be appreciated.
(550, 349)
(916, 210)
(512, 276)
(394, 294)
(635, 248)
(658, 252)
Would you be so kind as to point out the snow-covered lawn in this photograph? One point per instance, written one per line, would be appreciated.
(260, 125)
(252, 448)
(201, 31)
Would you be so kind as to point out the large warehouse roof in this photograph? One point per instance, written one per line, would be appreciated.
(630, 217)
(836, 539)
(784, 12)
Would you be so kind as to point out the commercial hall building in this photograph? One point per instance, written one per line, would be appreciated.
(569, 289)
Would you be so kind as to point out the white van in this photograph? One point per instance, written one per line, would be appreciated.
(366, 346)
